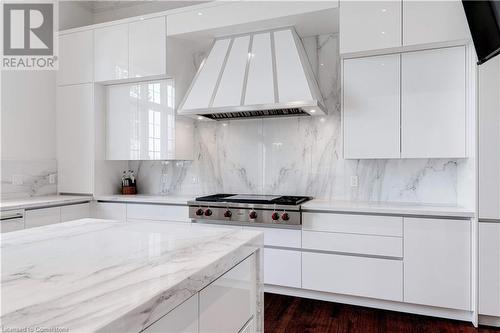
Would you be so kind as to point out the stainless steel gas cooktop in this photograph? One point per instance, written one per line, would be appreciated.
(248, 209)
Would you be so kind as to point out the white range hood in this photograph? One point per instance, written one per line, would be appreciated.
(263, 74)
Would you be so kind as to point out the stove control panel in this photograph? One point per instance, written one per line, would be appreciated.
(244, 215)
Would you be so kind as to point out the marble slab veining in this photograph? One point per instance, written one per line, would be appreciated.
(99, 275)
(42, 201)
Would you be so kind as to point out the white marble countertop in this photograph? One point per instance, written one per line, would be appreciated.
(396, 208)
(142, 198)
(41, 201)
(100, 275)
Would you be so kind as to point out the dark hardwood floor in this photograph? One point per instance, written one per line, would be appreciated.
(285, 314)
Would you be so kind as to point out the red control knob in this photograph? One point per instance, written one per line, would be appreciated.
(199, 212)
(208, 212)
(253, 215)
(275, 216)
(285, 216)
(228, 213)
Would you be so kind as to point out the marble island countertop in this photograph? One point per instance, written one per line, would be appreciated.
(397, 208)
(43, 201)
(100, 275)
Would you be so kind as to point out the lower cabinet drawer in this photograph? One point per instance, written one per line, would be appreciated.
(42, 216)
(109, 210)
(182, 319)
(353, 243)
(351, 275)
(279, 237)
(282, 267)
(75, 212)
(228, 303)
(158, 212)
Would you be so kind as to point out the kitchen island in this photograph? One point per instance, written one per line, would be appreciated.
(100, 275)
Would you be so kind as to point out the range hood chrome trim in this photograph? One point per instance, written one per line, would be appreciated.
(316, 105)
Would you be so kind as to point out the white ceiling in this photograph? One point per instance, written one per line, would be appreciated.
(103, 6)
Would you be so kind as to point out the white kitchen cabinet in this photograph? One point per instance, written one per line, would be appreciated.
(489, 139)
(158, 212)
(426, 22)
(433, 104)
(111, 53)
(76, 58)
(279, 237)
(372, 107)
(182, 319)
(11, 220)
(75, 138)
(489, 269)
(75, 212)
(228, 303)
(437, 262)
(352, 275)
(147, 47)
(369, 25)
(282, 267)
(42, 216)
(109, 210)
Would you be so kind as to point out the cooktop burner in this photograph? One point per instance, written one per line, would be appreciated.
(256, 199)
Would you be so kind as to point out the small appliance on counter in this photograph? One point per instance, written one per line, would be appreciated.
(248, 209)
(129, 183)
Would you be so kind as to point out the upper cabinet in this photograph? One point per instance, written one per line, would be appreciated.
(76, 54)
(147, 47)
(434, 22)
(426, 119)
(130, 50)
(433, 104)
(367, 26)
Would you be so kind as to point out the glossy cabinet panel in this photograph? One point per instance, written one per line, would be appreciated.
(489, 139)
(43, 216)
(182, 319)
(369, 25)
(76, 58)
(282, 267)
(147, 47)
(229, 302)
(371, 92)
(111, 53)
(158, 212)
(12, 220)
(140, 121)
(427, 22)
(75, 138)
(351, 275)
(279, 237)
(433, 104)
(489, 269)
(75, 212)
(437, 262)
(109, 210)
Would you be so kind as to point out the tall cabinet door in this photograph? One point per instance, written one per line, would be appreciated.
(111, 53)
(489, 140)
(433, 104)
(372, 107)
(489, 269)
(76, 58)
(75, 138)
(147, 47)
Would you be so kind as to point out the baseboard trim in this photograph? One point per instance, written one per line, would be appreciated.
(489, 320)
(373, 303)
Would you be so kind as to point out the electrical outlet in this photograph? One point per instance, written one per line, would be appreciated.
(17, 179)
(52, 178)
(354, 181)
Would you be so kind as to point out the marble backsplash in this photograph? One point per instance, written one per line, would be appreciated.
(21, 179)
(299, 156)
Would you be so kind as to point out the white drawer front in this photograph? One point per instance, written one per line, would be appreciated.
(75, 212)
(158, 212)
(41, 217)
(109, 210)
(282, 267)
(228, 303)
(353, 243)
(279, 237)
(355, 224)
(182, 319)
(350, 275)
